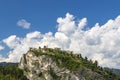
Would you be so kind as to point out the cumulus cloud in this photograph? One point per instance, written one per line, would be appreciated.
(35, 34)
(1, 47)
(82, 23)
(100, 43)
(67, 24)
(12, 41)
(23, 23)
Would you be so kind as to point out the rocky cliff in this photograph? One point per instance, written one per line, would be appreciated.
(55, 64)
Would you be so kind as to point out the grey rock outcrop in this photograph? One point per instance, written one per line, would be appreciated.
(37, 65)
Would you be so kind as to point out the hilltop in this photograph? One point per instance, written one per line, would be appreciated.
(56, 64)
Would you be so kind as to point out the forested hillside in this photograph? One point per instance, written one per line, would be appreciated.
(10, 71)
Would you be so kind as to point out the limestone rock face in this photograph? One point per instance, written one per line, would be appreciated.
(46, 64)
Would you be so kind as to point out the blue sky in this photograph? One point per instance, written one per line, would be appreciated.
(59, 23)
(42, 14)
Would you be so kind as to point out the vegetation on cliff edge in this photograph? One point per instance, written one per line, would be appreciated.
(74, 62)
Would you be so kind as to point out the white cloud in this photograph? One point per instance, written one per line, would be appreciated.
(23, 23)
(67, 24)
(12, 41)
(1, 47)
(82, 23)
(100, 43)
(35, 34)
